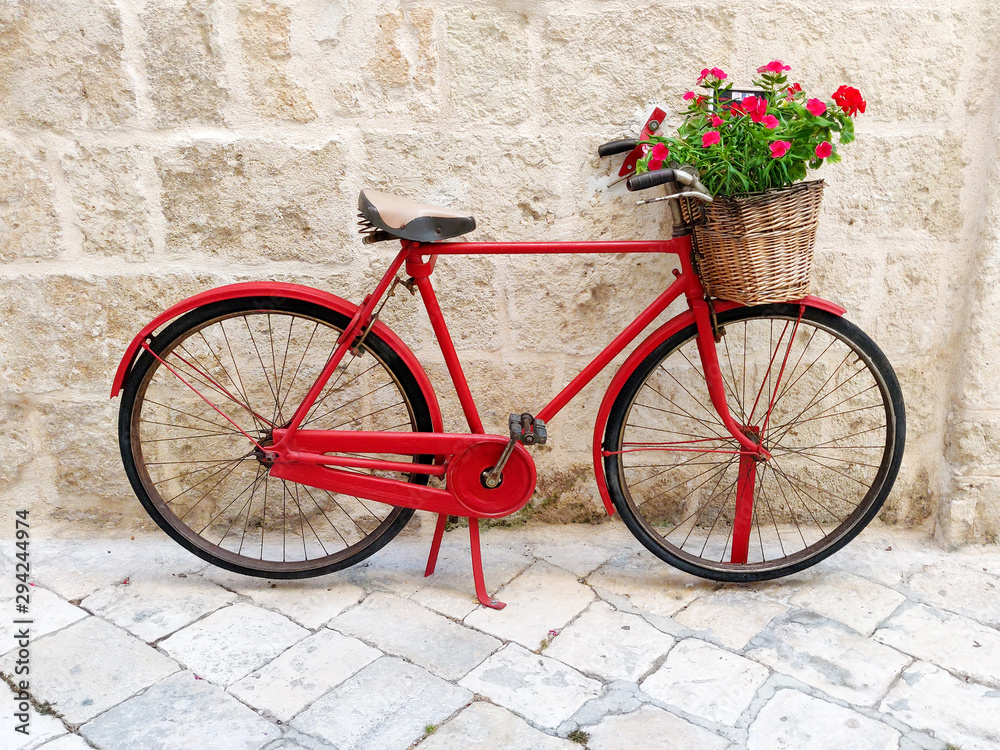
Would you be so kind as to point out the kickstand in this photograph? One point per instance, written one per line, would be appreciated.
(477, 568)
(432, 558)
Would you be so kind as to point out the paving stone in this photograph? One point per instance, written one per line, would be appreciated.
(385, 706)
(310, 602)
(231, 643)
(705, 680)
(485, 725)
(651, 727)
(794, 721)
(66, 742)
(151, 606)
(48, 611)
(75, 570)
(850, 599)
(956, 643)
(963, 589)
(303, 673)
(953, 710)
(648, 583)
(731, 616)
(612, 645)
(43, 728)
(828, 656)
(581, 549)
(406, 629)
(90, 666)
(544, 691)
(541, 599)
(180, 713)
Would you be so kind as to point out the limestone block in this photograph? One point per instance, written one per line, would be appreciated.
(794, 720)
(706, 681)
(972, 512)
(61, 65)
(82, 437)
(265, 29)
(257, 201)
(544, 691)
(505, 181)
(730, 616)
(28, 219)
(485, 725)
(109, 205)
(490, 64)
(386, 704)
(649, 726)
(181, 712)
(883, 184)
(377, 61)
(16, 450)
(851, 279)
(184, 63)
(973, 444)
(958, 711)
(61, 332)
(909, 322)
(965, 589)
(599, 67)
(578, 303)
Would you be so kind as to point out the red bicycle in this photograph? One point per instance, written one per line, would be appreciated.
(280, 431)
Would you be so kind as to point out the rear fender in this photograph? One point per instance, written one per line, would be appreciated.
(642, 351)
(264, 289)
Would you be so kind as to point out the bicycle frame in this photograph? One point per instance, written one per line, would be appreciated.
(299, 455)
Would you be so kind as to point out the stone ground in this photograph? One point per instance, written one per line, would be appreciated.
(892, 643)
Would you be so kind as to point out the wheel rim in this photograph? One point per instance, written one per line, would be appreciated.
(203, 474)
(830, 430)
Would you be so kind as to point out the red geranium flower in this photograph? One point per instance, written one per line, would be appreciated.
(710, 138)
(658, 156)
(779, 149)
(720, 74)
(716, 121)
(816, 107)
(688, 95)
(824, 149)
(849, 99)
(705, 73)
(756, 107)
(775, 66)
(770, 122)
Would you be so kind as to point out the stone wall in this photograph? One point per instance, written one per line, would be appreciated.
(150, 150)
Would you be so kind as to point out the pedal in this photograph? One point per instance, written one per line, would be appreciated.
(524, 428)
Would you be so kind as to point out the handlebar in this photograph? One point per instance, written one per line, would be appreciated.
(652, 179)
(616, 147)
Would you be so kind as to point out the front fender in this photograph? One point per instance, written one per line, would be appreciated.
(642, 351)
(256, 289)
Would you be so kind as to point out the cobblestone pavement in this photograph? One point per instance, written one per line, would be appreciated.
(892, 643)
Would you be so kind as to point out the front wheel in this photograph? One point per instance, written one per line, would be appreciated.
(814, 390)
(199, 475)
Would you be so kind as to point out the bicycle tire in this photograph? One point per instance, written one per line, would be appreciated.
(834, 482)
(249, 363)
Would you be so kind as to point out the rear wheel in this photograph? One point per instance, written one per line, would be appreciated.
(819, 395)
(202, 479)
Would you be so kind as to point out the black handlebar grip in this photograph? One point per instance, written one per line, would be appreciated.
(650, 179)
(616, 147)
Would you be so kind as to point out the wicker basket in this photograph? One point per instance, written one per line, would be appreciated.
(758, 248)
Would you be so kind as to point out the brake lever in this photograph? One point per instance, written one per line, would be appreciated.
(704, 197)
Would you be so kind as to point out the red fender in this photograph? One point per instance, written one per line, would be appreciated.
(642, 351)
(278, 289)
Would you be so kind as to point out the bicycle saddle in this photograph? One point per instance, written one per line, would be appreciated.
(387, 217)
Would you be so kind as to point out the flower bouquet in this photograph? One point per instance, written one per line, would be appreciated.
(754, 241)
